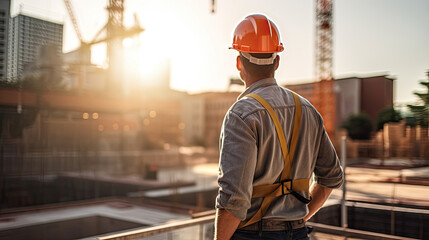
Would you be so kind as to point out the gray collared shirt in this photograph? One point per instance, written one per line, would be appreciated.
(250, 153)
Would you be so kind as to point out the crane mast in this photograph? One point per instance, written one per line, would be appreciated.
(324, 39)
(114, 31)
(324, 94)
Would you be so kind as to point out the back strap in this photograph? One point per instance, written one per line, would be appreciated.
(286, 184)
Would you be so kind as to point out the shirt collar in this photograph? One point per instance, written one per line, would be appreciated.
(259, 84)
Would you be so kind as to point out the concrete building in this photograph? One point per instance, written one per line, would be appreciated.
(26, 35)
(203, 115)
(4, 30)
(193, 113)
(376, 94)
(368, 94)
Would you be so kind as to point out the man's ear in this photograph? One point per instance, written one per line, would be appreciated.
(238, 63)
(277, 61)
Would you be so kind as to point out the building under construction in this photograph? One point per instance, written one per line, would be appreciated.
(355, 94)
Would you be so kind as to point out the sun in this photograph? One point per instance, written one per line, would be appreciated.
(153, 56)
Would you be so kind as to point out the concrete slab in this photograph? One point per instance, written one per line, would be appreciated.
(113, 209)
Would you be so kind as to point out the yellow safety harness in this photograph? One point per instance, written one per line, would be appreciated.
(287, 185)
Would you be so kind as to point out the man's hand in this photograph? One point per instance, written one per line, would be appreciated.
(225, 225)
(319, 196)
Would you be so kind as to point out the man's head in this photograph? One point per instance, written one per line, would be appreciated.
(258, 41)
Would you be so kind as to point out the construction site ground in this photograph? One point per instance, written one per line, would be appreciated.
(397, 181)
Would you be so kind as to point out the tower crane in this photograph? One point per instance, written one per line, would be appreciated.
(84, 50)
(73, 19)
(324, 94)
(324, 39)
(114, 32)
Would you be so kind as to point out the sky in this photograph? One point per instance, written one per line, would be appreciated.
(371, 37)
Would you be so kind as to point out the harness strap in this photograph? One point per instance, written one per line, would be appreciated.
(282, 188)
(286, 184)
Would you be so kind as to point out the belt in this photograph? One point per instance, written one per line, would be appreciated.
(275, 225)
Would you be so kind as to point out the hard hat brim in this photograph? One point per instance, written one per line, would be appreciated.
(280, 48)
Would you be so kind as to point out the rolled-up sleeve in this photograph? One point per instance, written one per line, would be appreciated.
(328, 170)
(238, 153)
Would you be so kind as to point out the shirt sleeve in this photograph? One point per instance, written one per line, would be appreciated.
(238, 153)
(328, 170)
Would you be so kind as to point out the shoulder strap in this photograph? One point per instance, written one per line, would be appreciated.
(277, 124)
(286, 185)
(287, 156)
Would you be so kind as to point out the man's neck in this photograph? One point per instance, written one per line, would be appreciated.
(249, 81)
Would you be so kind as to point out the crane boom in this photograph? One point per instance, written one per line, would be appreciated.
(73, 19)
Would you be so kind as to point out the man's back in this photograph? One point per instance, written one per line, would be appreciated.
(251, 154)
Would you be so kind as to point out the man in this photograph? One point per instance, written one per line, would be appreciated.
(272, 141)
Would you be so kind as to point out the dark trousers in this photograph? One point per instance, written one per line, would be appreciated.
(295, 234)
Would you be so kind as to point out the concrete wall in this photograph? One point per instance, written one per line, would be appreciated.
(193, 117)
(376, 94)
(216, 105)
(354, 95)
(347, 98)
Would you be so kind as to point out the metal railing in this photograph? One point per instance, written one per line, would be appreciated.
(207, 233)
(166, 228)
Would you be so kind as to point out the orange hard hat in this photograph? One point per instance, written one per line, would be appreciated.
(257, 34)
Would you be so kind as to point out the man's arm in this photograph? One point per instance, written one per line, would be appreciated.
(225, 224)
(319, 196)
(237, 163)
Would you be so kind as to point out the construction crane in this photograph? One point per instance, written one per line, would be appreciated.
(84, 50)
(324, 39)
(114, 26)
(73, 19)
(213, 6)
(324, 94)
(113, 32)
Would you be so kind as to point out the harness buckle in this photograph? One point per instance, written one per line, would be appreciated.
(283, 186)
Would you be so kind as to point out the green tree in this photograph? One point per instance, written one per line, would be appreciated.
(387, 115)
(421, 110)
(358, 126)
